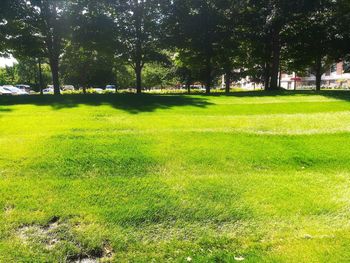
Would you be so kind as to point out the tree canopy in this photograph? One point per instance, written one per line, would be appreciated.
(89, 42)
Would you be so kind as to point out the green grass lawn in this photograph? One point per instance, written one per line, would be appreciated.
(254, 177)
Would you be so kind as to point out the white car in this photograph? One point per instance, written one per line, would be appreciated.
(23, 87)
(4, 91)
(14, 90)
(67, 88)
(48, 90)
(98, 91)
(110, 88)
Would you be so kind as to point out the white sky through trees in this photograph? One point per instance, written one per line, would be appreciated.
(6, 61)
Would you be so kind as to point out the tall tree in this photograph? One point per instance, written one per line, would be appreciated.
(138, 28)
(313, 42)
(5, 13)
(27, 47)
(342, 21)
(231, 48)
(85, 68)
(267, 21)
(194, 27)
(41, 22)
(90, 53)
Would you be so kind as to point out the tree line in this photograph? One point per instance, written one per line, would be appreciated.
(199, 39)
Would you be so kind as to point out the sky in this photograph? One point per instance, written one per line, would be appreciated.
(6, 61)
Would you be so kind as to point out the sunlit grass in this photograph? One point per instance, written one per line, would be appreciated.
(264, 177)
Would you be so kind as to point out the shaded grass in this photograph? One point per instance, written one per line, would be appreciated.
(265, 177)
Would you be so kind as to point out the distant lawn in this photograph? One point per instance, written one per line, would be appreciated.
(251, 177)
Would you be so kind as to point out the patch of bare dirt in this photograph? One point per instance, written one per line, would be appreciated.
(55, 232)
(44, 234)
(101, 256)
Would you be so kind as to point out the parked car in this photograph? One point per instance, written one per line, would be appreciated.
(14, 90)
(48, 90)
(23, 87)
(67, 87)
(97, 90)
(110, 88)
(4, 91)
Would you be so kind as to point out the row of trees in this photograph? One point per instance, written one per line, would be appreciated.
(24, 72)
(201, 39)
(87, 72)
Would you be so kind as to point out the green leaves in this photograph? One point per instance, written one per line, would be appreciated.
(253, 38)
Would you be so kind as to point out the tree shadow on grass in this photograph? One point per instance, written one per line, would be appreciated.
(336, 94)
(5, 110)
(131, 103)
(135, 104)
(339, 94)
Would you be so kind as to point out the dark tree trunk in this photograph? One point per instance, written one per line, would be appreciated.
(208, 48)
(138, 61)
(208, 73)
(227, 81)
(208, 85)
(116, 82)
(280, 78)
(267, 63)
(55, 75)
(138, 72)
(53, 40)
(318, 73)
(276, 53)
(188, 85)
(267, 75)
(36, 75)
(41, 82)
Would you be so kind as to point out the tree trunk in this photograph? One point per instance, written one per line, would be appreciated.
(41, 82)
(276, 53)
(55, 75)
(267, 76)
(280, 78)
(188, 85)
(116, 82)
(53, 40)
(36, 75)
(208, 73)
(227, 81)
(138, 72)
(267, 63)
(318, 73)
(138, 61)
(208, 48)
(208, 85)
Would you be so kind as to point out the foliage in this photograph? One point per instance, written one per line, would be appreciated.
(9, 75)
(206, 38)
(37, 29)
(156, 75)
(86, 68)
(25, 72)
(317, 46)
(195, 26)
(138, 25)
